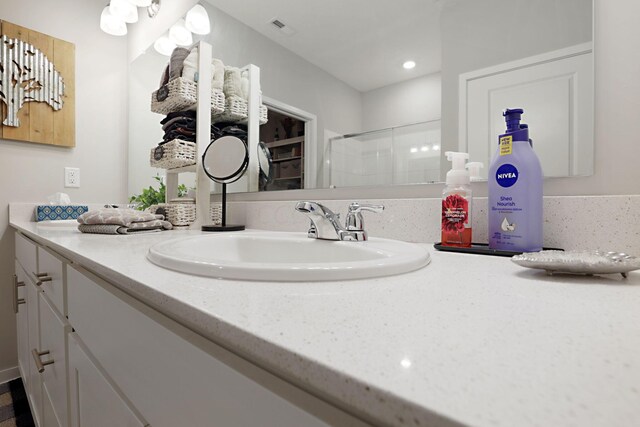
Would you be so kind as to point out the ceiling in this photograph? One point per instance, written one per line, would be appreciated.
(361, 42)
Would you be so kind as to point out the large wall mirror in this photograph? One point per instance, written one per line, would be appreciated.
(371, 93)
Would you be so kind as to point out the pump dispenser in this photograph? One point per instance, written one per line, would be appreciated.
(515, 190)
(456, 203)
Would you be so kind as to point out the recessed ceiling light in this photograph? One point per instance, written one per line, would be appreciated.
(409, 65)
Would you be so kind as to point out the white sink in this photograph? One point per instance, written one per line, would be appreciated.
(278, 256)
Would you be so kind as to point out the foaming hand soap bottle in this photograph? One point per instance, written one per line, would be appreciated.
(515, 190)
(456, 203)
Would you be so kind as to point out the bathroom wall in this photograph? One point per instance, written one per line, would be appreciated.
(30, 172)
(412, 101)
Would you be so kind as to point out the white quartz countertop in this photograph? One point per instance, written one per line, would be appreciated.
(469, 339)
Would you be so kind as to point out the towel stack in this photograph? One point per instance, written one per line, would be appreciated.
(121, 221)
(182, 125)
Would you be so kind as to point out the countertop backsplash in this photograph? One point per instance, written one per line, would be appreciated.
(570, 222)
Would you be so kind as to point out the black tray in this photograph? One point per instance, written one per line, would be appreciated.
(482, 249)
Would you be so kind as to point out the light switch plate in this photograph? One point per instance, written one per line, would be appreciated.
(72, 177)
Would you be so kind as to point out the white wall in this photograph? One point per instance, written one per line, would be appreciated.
(412, 101)
(30, 172)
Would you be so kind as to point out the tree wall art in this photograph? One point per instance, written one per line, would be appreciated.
(37, 87)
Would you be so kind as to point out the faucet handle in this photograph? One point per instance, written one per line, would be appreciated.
(354, 215)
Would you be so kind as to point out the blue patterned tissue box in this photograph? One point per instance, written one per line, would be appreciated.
(55, 213)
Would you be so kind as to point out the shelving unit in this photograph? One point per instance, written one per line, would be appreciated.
(287, 153)
(203, 137)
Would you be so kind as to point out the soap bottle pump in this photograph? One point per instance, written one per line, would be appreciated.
(515, 190)
(456, 203)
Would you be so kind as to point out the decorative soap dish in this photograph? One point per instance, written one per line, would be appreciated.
(579, 262)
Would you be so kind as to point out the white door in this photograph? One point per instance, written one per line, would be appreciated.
(556, 92)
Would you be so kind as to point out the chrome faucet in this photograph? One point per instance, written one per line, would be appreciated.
(326, 225)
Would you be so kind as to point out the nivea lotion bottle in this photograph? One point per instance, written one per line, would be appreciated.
(515, 190)
(456, 203)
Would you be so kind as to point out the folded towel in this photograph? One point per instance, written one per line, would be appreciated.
(139, 228)
(170, 116)
(118, 216)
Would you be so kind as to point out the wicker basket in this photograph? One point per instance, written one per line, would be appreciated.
(181, 94)
(184, 214)
(173, 154)
(178, 214)
(236, 110)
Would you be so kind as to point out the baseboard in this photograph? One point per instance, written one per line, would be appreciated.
(9, 374)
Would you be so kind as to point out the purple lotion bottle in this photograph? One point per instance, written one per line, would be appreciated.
(515, 190)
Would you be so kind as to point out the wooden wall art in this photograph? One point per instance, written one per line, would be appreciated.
(37, 87)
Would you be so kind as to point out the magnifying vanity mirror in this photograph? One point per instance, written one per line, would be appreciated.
(265, 162)
(224, 161)
(365, 93)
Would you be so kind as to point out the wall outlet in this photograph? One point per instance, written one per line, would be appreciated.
(72, 177)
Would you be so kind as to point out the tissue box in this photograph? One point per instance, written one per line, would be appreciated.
(57, 212)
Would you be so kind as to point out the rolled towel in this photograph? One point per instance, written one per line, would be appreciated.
(232, 82)
(176, 63)
(137, 228)
(191, 65)
(217, 82)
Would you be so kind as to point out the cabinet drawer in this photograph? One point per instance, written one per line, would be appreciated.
(53, 338)
(174, 376)
(95, 400)
(55, 289)
(26, 253)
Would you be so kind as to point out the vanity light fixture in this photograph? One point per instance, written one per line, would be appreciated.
(408, 65)
(414, 150)
(164, 45)
(140, 3)
(179, 34)
(436, 148)
(424, 148)
(197, 20)
(124, 10)
(112, 24)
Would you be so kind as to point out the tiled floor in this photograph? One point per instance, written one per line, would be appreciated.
(14, 407)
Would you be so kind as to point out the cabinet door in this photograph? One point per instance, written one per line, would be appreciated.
(22, 322)
(53, 338)
(95, 400)
(54, 287)
(26, 254)
(33, 382)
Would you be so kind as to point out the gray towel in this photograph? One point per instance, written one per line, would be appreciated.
(176, 63)
(115, 229)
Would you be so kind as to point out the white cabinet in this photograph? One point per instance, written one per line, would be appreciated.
(114, 361)
(95, 399)
(22, 320)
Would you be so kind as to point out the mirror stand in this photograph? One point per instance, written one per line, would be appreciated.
(223, 226)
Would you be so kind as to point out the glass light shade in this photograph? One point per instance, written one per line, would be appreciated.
(179, 34)
(140, 3)
(124, 10)
(111, 24)
(197, 20)
(164, 45)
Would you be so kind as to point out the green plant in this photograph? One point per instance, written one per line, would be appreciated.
(151, 196)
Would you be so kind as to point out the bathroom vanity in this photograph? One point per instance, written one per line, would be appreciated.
(467, 340)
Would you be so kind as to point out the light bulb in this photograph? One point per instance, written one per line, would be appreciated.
(179, 34)
(197, 20)
(164, 45)
(409, 65)
(124, 10)
(111, 24)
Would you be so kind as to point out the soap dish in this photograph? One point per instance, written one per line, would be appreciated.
(579, 262)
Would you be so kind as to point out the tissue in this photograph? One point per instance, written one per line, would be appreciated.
(59, 208)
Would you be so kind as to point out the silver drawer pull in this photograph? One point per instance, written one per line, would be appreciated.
(41, 278)
(37, 358)
(16, 301)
